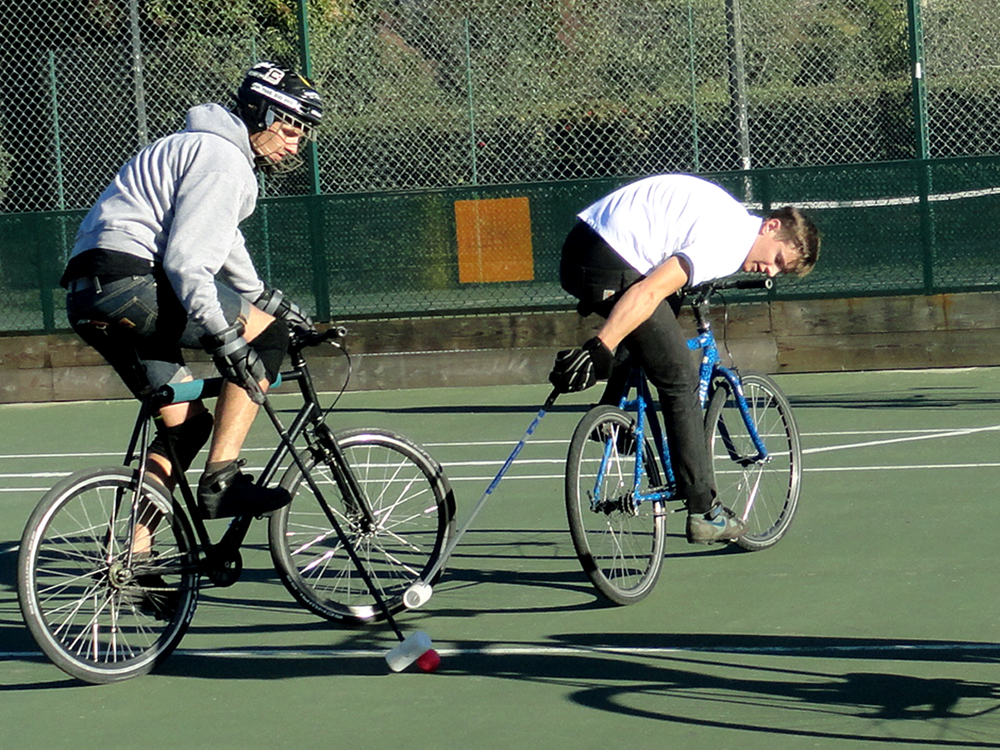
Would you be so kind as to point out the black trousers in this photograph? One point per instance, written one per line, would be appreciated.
(596, 275)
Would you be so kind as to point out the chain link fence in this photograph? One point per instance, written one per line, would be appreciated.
(456, 122)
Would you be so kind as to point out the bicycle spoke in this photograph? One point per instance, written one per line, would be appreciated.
(397, 534)
(98, 612)
(618, 540)
(763, 492)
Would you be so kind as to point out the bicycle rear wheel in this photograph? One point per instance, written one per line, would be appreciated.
(100, 612)
(619, 542)
(765, 494)
(414, 511)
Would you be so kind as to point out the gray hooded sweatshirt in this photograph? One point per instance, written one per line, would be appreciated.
(178, 203)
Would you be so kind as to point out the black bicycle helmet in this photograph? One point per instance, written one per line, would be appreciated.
(271, 92)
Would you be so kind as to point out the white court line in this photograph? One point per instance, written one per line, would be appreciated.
(909, 439)
(103, 454)
(561, 441)
(560, 476)
(908, 436)
(22, 456)
(934, 467)
(917, 434)
(520, 461)
(36, 475)
(921, 431)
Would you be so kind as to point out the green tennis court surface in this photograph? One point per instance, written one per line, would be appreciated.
(875, 623)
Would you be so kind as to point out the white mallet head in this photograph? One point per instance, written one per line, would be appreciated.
(417, 595)
(412, 648)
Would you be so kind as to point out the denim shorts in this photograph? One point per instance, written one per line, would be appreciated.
(140, 327)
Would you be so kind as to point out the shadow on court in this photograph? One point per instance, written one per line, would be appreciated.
(719, 689)
(14, 636)
(944, 397)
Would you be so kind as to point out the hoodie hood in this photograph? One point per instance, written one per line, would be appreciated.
(217, 120)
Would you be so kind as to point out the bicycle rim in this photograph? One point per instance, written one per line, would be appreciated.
(99, 612)
(764, 494)
(619, 543)
(413, 507)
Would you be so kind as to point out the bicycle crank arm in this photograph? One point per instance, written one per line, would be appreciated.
(223, 562)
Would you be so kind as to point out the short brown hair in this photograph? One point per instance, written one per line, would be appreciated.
(801, 232)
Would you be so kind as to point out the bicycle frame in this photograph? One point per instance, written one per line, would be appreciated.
(215, 558)
(711, 370)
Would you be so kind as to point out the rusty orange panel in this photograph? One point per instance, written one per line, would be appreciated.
(494, 240)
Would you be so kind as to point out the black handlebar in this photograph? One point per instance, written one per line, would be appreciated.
(717, 286)
(702, 292)
(301, 339)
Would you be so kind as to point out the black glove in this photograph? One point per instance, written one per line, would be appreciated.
(578, 369)
(237, 362)
(274, 302)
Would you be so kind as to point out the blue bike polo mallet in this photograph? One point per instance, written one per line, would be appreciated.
(420, 591)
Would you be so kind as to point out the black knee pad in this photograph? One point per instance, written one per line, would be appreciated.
(271, 346)
(187, 439)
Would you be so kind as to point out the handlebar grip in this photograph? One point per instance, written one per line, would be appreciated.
(753, 284)
(304, 339)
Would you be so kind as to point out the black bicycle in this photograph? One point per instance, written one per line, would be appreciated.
(371, 513)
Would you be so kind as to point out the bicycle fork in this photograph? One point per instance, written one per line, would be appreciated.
(352, 492)
(744, 462)
(349, 486)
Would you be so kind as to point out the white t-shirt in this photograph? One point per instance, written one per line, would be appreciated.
(658, 217)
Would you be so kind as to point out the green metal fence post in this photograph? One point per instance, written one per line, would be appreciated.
(56, 137)
(923, 169)
(738, 87)
(44, 271)
(142, 123)
(58, 155)
(471, 103)
(317, 230)
(693, 70)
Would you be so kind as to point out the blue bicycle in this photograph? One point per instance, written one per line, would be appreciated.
(619, 477)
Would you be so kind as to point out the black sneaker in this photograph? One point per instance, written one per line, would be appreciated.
(155, 598)
(149, 592)
(718, 525)
(228, 492)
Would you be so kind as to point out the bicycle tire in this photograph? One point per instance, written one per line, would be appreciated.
(764, 494)
(415, 507)
(98, 613)
(618, 543)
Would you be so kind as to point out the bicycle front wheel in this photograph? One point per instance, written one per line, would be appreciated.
(413, 511)
(762, 492)
(101, 612)
(618, 541)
